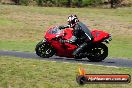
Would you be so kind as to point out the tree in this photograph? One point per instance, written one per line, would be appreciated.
(115, 3)
(79, 3)
(16, 1)
(69, 3)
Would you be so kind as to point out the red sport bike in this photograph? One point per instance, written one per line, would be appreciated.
(51, 45)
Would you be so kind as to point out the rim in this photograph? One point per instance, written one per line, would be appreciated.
(44, 50)
(97, 52)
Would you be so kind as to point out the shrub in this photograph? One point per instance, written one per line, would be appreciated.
(75, 3)
(92, 2)
(24, 2)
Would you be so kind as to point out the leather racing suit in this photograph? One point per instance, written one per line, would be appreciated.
(80, 33)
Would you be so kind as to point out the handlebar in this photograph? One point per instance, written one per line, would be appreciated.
(57, 38)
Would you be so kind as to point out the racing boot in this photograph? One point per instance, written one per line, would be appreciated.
(77, 57)
(77, 54)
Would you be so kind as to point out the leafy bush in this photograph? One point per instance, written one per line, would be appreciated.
(24, 2)
(92, 2)
(51, 2)
(27, 2)
(74, 3)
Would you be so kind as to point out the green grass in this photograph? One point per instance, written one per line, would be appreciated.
(118, 49)
(15, 46)
(31, 73)
(21, 27)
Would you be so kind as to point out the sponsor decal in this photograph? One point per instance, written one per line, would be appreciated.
(83, 78)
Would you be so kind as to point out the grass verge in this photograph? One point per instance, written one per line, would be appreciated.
(32, 73)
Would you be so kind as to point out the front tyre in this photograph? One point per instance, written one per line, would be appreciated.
(98, 52)
(44, 50)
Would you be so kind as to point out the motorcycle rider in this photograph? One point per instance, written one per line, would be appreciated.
(80, 33)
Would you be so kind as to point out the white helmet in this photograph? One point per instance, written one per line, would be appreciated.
(72, 20)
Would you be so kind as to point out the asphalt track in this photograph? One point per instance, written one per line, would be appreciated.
(110, 62)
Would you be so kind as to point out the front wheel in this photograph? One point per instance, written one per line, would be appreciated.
(45, 50)
(98, 52)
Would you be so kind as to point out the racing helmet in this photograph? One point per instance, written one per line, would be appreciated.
(72, 20)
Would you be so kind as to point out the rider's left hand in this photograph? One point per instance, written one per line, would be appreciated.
(61, 27)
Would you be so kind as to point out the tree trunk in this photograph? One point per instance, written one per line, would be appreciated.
(69, 3)
(79, 3)
(115, 3)
(16, 1)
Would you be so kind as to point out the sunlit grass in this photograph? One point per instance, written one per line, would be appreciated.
(31, 73)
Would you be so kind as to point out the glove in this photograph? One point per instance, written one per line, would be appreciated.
(61, 27)
(65, 41)
(69, 41)
(62, 41)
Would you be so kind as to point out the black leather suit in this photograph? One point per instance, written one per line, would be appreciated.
(80, 34)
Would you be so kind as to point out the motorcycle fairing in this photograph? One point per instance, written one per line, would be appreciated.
(99, 35)
(66, 49)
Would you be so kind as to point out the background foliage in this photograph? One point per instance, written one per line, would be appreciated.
(62, 2)
(71, 3)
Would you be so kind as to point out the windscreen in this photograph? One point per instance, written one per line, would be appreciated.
(55, 30)
(86, 30)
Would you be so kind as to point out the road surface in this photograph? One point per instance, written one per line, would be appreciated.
(113, 62)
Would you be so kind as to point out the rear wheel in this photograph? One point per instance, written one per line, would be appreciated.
(97, 52)
(45, 50)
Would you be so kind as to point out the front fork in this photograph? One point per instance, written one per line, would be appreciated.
(42, 42)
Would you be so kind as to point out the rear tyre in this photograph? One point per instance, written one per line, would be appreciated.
(45, 50)
(98, 52)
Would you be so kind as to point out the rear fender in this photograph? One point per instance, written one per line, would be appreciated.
(101, 36)
(107, 40)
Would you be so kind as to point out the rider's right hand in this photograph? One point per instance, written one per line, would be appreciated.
(65, 41)
(62, 41)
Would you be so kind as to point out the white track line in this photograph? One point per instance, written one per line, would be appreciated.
(99, 65)
(53, 61)
(89, 64)
(66, 62)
